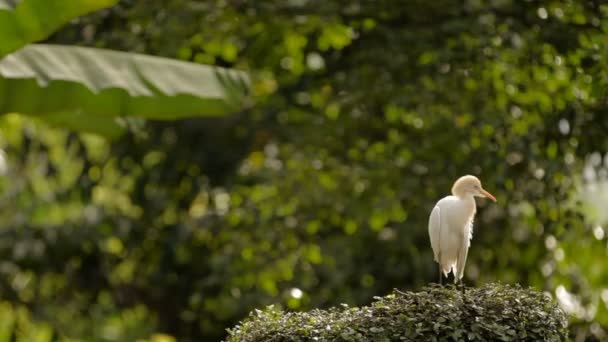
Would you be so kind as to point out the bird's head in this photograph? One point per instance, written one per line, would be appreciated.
(470, 185)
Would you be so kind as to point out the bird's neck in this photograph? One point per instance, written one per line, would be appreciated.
(465, 196)
(468, 201)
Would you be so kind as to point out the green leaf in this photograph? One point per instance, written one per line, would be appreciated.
(109, 127)
(68, 85)
(26, 21)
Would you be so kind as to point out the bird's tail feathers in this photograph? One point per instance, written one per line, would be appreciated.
(447, 269)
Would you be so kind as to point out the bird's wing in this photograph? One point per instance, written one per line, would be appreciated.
(463, 251)
(435, 232)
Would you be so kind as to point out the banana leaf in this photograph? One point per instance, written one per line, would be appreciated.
(89, 88)
(27, 21)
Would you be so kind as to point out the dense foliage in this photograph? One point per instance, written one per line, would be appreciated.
(490, 313)
(365, 113)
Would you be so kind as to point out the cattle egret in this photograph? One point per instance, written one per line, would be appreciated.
(451, 226)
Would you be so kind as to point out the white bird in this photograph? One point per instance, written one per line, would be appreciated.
(451, 226)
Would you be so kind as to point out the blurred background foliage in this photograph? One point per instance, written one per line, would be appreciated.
(365, 113)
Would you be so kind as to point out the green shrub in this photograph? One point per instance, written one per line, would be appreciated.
(494, 312)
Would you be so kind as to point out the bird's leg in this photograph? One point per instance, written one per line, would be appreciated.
(462, 287)
(440, 280)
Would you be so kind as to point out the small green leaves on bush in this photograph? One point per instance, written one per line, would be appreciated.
(494, 312)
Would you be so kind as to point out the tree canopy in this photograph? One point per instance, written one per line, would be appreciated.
(318, 194)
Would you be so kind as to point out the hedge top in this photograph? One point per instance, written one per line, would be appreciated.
(494, 312)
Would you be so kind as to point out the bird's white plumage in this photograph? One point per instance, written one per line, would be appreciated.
(451, 225)
(435, 232)
(450, 229)
(464, 250)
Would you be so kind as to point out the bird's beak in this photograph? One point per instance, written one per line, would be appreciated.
(487, 194)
